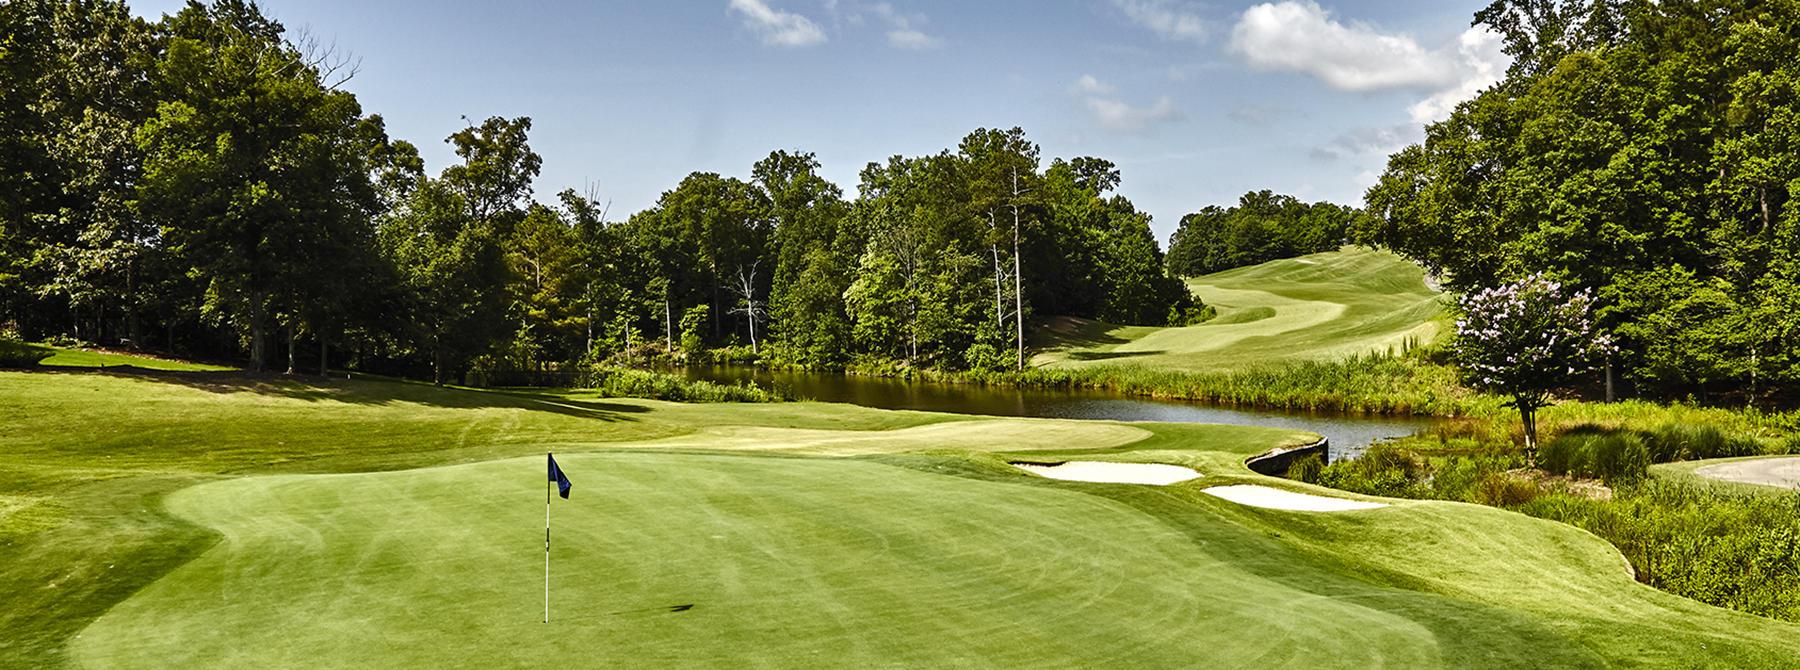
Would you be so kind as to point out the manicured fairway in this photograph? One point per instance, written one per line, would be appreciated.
(207, 521)
(1319, 307)
(89, 358)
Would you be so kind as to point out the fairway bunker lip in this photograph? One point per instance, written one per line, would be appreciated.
(1111, 472)
(1268, 497)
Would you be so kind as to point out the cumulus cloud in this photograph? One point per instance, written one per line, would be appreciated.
(905, 30)
(1167, 18)
(1088, 84)
(776, 27)
(1484, 64)
(1117, 115)
(1301, 36)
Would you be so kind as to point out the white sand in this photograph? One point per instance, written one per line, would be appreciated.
(1272, 498)
(1157, 474)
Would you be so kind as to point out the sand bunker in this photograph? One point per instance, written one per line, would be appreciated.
(1157, 474)
(1783, 472)
(1272, 498)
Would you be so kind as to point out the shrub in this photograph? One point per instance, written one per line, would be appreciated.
(693, 328)
(1500, 489)
(1382, 470)
(1791, 445)
(1689, 441)
(1307, 469)
(1611, 455)
(1725, 548)
(16, 354)
(618, 382)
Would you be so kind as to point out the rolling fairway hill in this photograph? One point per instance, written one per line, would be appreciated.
(1325, 306)
(213, 519)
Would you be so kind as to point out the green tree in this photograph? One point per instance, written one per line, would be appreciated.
(812, 262)
(250, 155)
(451, 266)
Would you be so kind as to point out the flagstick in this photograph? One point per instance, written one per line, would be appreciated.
(547, 485)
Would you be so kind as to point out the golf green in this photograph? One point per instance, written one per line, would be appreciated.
(716, 559)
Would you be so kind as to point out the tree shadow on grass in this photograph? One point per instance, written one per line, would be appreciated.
(1109, 355)
(1068, 332)
(360, 391)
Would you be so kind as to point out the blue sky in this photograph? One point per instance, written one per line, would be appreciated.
(1196, 101)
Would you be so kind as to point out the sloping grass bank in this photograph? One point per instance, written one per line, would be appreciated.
(1320, 307)
(1728, 545)
(1370, 384)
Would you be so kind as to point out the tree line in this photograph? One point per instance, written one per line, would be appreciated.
(205, 183)
(1646, 152)
(1262, 227)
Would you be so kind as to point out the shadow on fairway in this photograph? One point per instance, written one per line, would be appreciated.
(1110, 355)
(360, 391)
(1069, 332)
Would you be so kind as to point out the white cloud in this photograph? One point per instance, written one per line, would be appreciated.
(1484, 64)
(1090, 85)
(777, 27)
(904, 29)
(1117, 115)
(1301, 36)
(1167, 18)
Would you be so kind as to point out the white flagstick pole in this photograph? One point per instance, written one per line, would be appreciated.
(547, 485)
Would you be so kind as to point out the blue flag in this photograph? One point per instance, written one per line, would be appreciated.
(562, 480)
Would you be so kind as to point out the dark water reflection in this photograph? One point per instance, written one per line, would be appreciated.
(1349, 434)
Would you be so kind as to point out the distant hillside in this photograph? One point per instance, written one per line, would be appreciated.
(1316, 307)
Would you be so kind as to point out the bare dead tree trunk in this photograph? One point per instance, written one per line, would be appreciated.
(752, 308)
(668, 324)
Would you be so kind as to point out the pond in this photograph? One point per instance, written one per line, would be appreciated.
(1350, 434)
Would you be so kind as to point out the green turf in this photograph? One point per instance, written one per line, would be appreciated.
(1325, 306)
(93, 358)
(202, 520)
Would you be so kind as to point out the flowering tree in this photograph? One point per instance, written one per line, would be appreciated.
(1525, 339)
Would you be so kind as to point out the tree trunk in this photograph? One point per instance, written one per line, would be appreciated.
(131, 310)
(324, 357)
(290, 368)
(1609, 379)
(437, 362)
(258, 345)
(668, 325)
(1528, 415)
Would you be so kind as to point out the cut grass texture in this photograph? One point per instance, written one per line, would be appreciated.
(1322, 307)
(171, 522)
